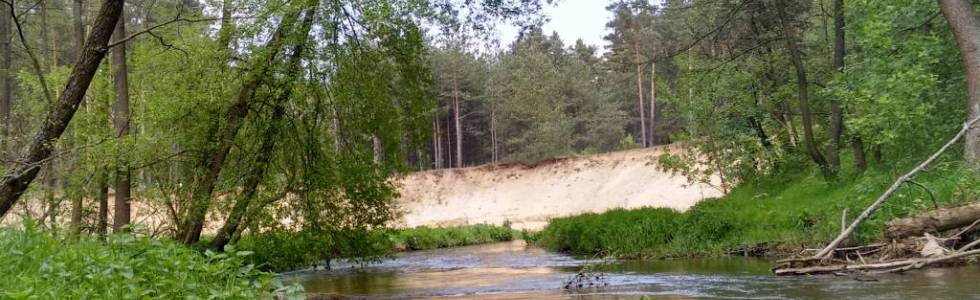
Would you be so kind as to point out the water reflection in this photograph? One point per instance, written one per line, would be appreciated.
(514, 271)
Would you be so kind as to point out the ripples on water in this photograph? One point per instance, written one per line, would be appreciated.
(515, 271)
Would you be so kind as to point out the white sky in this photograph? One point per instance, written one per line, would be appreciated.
(572, 19)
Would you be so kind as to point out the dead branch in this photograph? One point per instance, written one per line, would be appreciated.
(885, 267)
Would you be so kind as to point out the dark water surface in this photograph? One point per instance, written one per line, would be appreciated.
(515, 271)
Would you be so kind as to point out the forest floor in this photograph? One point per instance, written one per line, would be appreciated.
(528, 194)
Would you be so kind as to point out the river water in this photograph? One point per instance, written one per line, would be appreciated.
(515, 271)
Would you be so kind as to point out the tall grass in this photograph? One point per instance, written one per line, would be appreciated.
(424, 238)
(38, 265)
(784, 213)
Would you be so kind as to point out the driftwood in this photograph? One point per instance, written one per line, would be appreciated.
(883, 267)
(827, 251)
(932, 222)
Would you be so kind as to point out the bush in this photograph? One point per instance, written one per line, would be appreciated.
(619, 232)
(38, 265)
(285, 251)
(424, 238)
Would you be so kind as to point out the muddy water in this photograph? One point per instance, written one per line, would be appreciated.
(515, 271)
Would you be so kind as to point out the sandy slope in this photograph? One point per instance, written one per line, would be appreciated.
(529, 194)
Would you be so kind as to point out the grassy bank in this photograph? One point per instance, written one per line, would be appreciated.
(424, 238)
(782, 214)
(39, 265)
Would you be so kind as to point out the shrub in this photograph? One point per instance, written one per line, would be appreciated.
(423, 238)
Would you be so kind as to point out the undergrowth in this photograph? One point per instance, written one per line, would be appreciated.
(424, 238)
(39, 265)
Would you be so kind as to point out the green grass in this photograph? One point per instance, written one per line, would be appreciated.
(39, 265)
(784, 214)
(424, 238)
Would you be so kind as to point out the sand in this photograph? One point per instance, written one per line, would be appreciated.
(529, 194)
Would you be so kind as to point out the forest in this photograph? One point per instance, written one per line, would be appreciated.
(264, 133)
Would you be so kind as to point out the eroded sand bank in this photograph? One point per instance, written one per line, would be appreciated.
(528, 194)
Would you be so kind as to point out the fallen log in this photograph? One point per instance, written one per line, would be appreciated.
(932, 222)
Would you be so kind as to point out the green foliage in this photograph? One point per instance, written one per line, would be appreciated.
(38, 265)
(783, 213)
(619, 232)
(286, 251)
(903, 85)
(425, 238)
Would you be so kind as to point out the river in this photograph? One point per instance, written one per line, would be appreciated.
(515, 271)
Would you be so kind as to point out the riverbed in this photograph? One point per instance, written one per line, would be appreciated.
(514, 270)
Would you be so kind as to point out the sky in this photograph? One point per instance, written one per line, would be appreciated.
(572, 19)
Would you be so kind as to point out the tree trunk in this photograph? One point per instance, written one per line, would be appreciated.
(271, 134)
(459, 126)
(102, 195)
(801, 81)
(449, 145)
(78, 14)
(493, 134)
(120, 119)
(639, 90)
(436, 142)
(378, 149)
(962, 18)
(857, 146)
(877, 155)
(45, 36)
(836, 113)
(227, 25)
(17, 179)
(190, 232)
(932, 222)
(653, 104)
(6, 99)
(75, 227)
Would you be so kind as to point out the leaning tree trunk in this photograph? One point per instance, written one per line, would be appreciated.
(794, 54)
(120, 119)
(962, 18)
(270, 135)
(16, 180)
(201, 199)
